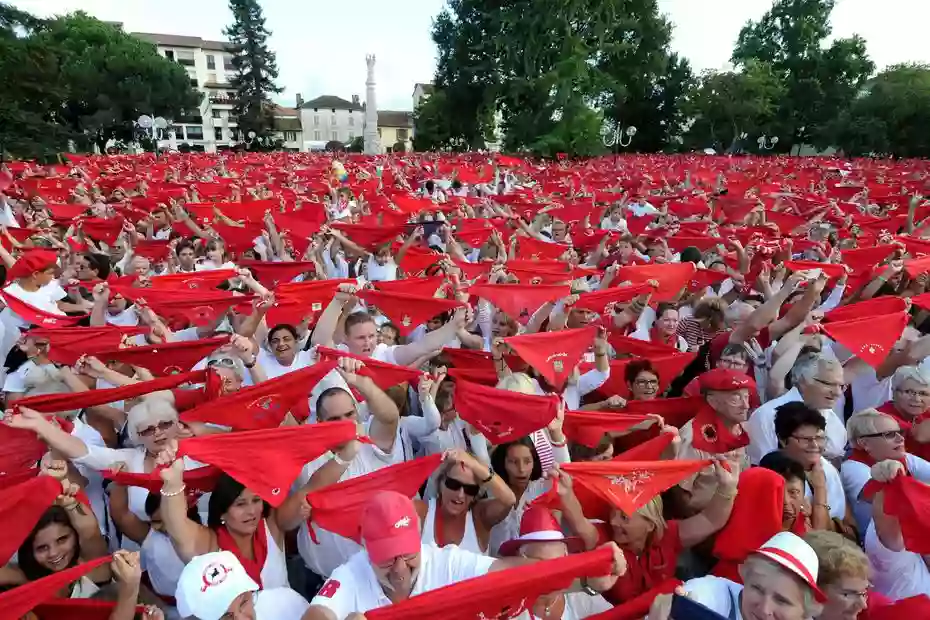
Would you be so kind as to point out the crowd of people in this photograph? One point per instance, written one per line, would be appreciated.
(299, 387)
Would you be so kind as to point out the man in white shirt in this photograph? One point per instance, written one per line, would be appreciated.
(215, 586)
(361, 333)
(818, 382)
(394, 565)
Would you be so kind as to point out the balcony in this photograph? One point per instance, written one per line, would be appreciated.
(187, 62)
(217, 100)
(189, 119)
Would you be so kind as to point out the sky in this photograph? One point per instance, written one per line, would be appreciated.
(321, 46)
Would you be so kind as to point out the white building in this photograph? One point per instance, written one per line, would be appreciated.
(327, 118)
(209, 67)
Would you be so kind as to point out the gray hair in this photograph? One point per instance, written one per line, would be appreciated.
(807, 367)
(737, 311)
(864, 423)
(146, 413)
(766, 570)
(910, 373)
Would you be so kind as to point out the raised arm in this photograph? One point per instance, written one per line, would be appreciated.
(189, 539)
(324, 333)
(406, 354)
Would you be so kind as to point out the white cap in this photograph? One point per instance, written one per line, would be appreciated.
(793, 553)
(210, 583)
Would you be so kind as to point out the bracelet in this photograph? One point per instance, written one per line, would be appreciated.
(178, 492)
(729, 495)
(488, 479)
(342, 461)
(252, 363)
(555, 444)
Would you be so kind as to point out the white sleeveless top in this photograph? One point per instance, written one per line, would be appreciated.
(469, 539)
(161, 562)
(274, 572)
(509, 528)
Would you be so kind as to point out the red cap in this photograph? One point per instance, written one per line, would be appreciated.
(539, 525)
(390, 527)
(31, 262)
(725, 380)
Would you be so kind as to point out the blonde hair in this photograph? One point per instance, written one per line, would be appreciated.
(652, 512)
(864, 423)
(838, 557)
(518, 382)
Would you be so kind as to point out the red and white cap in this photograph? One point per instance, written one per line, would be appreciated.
(390, 527)
(539, 525)
(791, 552)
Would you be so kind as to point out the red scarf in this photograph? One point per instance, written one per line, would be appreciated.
(655, 336)
(710, 434)
(861, 456)
(259, 550)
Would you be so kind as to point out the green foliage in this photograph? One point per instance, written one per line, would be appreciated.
(255, 66)
(437, 127)
(889, 116)
(726, 104)
(335, 145)
(399, 147)
(820, 82)
(357, 145)
(75, 77)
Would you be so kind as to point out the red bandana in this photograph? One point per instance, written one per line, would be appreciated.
(554, 355)
(588, 427)
(21, 507)
(408, 311)
(35, 316)
(384, 375)
(709, 433)
(198, 280)
(518, 299)
(870, 339)
(604, 301)
(22, 599)
(503, 416)
(167, 358)
(254, 566)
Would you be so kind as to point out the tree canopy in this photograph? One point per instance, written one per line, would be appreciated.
(77, 78)
(255, 67)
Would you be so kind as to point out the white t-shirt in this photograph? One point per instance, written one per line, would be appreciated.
(274, 369)
(854, 475)
(717, 594)
(835, 495)
(353, 587)
(46, 298)
(578, 606)
(896, 574)
(380, 273)
(279, 604)
(127, 318)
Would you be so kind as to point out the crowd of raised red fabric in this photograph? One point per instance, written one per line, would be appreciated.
(288, 386)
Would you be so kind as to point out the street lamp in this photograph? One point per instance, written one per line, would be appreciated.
(613, 136)
(765, 144)
(152, 126)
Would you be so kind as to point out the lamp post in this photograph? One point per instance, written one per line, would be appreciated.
(152, 126)
(737, 146)
(613, 136)
(765, 144)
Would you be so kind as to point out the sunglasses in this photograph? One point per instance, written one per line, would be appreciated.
(226, 362)
(454, 485)
(889, 435)
(161, 426)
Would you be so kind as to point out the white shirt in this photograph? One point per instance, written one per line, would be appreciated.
(835, 495)
(380, 273)
(761, 428)
(717, 594)
(896, 574)
(353, 587)
(279, 604)
(854, 475)
(587, 383)
(46, 298)
(274, 369)
(470, 540)
(578, 605)
(644, 335)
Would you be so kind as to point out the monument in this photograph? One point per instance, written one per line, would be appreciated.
(372, 140)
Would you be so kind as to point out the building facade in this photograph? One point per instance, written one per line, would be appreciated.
(395, 127)
(328, 118)
(209, 67)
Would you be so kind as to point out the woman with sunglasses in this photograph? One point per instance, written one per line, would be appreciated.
(874, 437)
(457, 516)
(151, 425)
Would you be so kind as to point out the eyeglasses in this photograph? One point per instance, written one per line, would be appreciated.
(811, 441)
(853, 594)
(915, 394)
(887, 435)
(406, 559)
(724, 362)
(226, 362)
(454, 485)
(164, 426)
(646, 382)
(836, 386)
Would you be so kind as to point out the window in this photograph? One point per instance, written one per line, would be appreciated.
(290, 136)
(351, 135)
(211, 62)
(211, 77)
(186, 59)
(317, 136)
(216, 113)
(169, 54)
(179, 132)
(401, 135)
(333, 119)
(316, 121)
(218, 133)
(228, 64)
(351, 121)
(231, 95)
(335, 135)
(195, 132)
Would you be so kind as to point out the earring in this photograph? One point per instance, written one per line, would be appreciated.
(223, 521)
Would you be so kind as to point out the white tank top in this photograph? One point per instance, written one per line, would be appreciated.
(469, 539)
(274, 572)
(161, 562)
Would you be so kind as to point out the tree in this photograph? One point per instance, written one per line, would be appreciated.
(357, 145)
(819, 82)
(334, 145)
(255, 67)
(889, 116)
(399, 147)
(77, 78)
(727, 104)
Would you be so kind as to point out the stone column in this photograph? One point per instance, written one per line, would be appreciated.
(372, 141)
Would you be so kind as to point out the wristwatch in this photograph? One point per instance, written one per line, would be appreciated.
(588, 589)
(252, 363)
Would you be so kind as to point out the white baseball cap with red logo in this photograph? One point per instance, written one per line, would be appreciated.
(210, 583)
